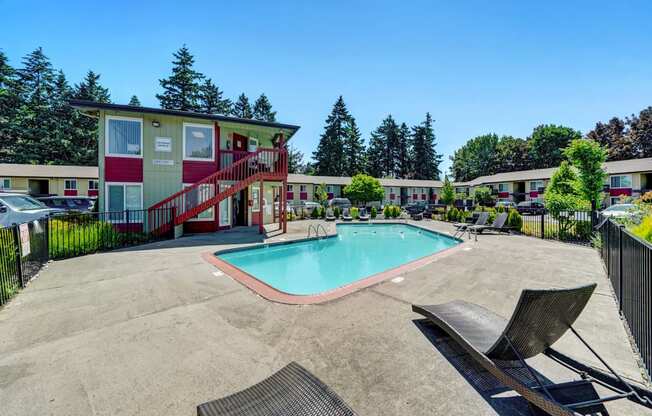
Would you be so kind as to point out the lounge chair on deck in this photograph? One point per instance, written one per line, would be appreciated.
(346, 215)
(481, 220)
(292, 391)
(540, 319)
(498, 225)
(363, 215)
(330, 216)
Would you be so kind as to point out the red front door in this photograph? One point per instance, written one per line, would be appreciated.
(239, 143)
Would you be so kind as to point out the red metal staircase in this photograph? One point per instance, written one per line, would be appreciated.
(264, 164)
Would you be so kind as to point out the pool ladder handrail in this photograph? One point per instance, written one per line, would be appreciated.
(316, 228)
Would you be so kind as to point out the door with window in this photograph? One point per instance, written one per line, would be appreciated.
(123, 197)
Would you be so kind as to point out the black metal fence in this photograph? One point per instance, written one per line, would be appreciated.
(25, 248)
(569, 226)
(628, 260)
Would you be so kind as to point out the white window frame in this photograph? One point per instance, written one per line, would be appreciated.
(620, 180)
(65, 185)
(106, 137)
(536, 187)
(290, 188)
(2, 183)
(330, 189)
(195, 219)
(206, 126)
(506, 185)
(252, 139)
(124, 202)
(96, 183)
(303, 188)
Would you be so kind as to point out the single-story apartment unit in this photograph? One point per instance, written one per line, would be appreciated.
(397, 191)
(632, 177)
(49, 180)
(208, 172)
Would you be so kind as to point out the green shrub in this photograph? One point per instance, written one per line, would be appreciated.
(374, 212)
(396, 211)
(453, 214)
(82, 236)
(315, 213)
(322, 213)
(337, 212)
(387, 211)
(355, 213)
(644, 229)
(514, 219)
(583, 230)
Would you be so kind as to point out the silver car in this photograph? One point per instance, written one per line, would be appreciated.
(19, 208)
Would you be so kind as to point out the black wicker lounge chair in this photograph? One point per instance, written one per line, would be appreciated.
(346, 216)
(329, 215)
(498, 226)
(540, 319)
(462, 226)
(292, 391)
(364, 216)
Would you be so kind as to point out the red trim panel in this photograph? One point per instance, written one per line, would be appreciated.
(433, 197)
(415, 196)
(93, 192)
(208, 226)
(303, 196)
(289, 195)
(423, 197)
(123, 169)
(392, 196)
(534, 194)
(620, 191)
(330, 195)
(129, 228)
(503, 194)
(70, 192)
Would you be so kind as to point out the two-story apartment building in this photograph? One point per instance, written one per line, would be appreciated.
(49, 180)
(208, 172)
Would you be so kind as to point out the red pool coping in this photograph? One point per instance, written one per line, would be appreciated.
(272, 294)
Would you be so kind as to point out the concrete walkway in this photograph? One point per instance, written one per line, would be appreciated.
(155, 331)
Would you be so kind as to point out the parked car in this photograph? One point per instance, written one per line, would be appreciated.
(69, 203)
(309, 206)
(531, 208)
(506, 204)
(19, 208)
(415, 208)
(620, 210)
(341, 203)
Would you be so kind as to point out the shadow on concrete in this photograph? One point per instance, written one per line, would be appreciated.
(501, 398)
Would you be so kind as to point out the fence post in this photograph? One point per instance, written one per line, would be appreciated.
(19, 262)
(46, 230)
(543, 226)
(620, 267)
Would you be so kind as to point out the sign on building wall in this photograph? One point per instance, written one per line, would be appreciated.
(24, 239)
(163, 144)
(163, 162)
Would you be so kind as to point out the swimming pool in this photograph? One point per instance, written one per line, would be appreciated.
(356, 252)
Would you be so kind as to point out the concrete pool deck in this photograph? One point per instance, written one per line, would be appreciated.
(156, 330)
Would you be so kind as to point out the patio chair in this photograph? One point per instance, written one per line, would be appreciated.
(330, 216)
(498, 225)
(346, 215)
(364, 216)
(540, 318)
(291, 391)
(462, 226)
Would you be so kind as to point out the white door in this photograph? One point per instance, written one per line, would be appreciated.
(225, 208)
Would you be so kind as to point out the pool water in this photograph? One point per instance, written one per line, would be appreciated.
(358, 251)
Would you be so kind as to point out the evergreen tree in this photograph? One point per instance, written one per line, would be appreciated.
(181, 90)
(426, 160)
(61, 143)
(33, 120)
(295, 160)
(329, 156)
(376, 154)
(134, 101)
(354, 151)
(382, 154)
(241, 108)
(404, 153)
(263, 109)
(211, 101)
(9, 104)
(90, 89)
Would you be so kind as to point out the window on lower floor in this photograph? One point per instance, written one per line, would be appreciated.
(303, 188)
(124, 196)
(535, 185)
(70, 184)
(503, 187)
(93, 185)
(290, 188)
(5, 183)
(620, 181)
(255, 196)
(198, 195)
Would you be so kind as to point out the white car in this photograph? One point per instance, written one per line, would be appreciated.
(20, 208)
(620, 210)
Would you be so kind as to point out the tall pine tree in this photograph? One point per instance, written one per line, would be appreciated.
(329, 156)
(354, 151)
(263, 109)
(181, 90)
(382, 154)
(91, 89)
(404, 153)
(211, 101)
(134, 101)
(295, 160)
(242, 108)
(425, 159)
(9, 104)
(85, 139)
(376, 154)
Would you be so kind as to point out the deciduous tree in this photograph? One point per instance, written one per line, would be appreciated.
(364, 188)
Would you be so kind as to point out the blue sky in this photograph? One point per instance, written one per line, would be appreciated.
(478, 67)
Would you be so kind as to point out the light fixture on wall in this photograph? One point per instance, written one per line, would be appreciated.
(155, 123)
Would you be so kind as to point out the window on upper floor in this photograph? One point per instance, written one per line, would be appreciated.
(124, 136)
(5, 183)
(536, 185)
(303, 188)
(93, 185)
(290, 188)
(70, 184)
(620, 181)
(503, 187)
(198, 142)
